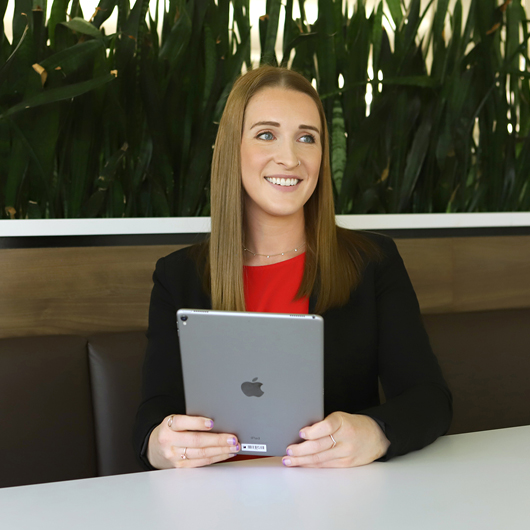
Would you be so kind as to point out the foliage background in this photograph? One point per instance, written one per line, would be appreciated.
(122, 125)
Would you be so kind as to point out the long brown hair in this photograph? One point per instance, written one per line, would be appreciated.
(334, 257)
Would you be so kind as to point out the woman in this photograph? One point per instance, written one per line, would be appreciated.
(274, 246)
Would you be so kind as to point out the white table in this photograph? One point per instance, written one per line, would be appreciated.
(468, 481)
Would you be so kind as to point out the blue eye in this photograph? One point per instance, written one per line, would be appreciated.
(269, 136)
(308, 139)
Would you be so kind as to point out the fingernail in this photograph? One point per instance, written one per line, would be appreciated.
(231, 441)
(286, 462)
(301, 434)
(289, 452)
(235, 449)
(231, 456)
(209, 424)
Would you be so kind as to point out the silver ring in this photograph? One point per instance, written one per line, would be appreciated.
(333, 440)
(170, 421)
(183, 455)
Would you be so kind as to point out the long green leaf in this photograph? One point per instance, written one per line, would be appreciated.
(6, 65)
(58, 94)
(268, 54)
(439, 20)
(82, 26)
(377, 35)
(290, 30)
(71, 59)
(3, 7)
(174, 48)
(108, 172)
(415, 159)
(303, 38)
(418, 81)
(57, 15)
(104, 11)
(327, 61)
(129, 38)
(338, 145)
(210, 63)
(16, 173)
(395, 10)
(411, 30)
(22, 18)
(242, 18)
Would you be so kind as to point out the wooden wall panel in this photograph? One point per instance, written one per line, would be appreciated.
(75, 290)
(492, 273)
(94, 289)
(429, 263)
(469, 273)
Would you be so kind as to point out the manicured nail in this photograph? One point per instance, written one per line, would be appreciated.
(289, 452)
(302, 434)
(231, 441)
(235, 449)
(231, 456)
(286, 462)
(209, 424)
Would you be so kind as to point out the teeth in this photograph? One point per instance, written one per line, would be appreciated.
(283, 182)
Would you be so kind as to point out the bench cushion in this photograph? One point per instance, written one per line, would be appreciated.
(115, 373)
(45, 411)
(485, 358)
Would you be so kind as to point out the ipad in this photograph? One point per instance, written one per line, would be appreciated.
(257, 375)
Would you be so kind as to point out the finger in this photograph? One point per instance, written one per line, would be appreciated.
(309, 460)
(327, 426)
(204, 439)
(188, 462)
(310, 447)
(335, 463)
(200, 453)
(181, 422)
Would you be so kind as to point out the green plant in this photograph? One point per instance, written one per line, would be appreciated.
(95, 125)
(116, 125)
(448, 129)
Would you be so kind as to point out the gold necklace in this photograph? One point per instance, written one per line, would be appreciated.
(274, 255)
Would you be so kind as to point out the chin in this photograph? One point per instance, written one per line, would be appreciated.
(274, 208)
(288, 212)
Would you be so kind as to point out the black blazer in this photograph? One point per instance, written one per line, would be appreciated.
(378, 334)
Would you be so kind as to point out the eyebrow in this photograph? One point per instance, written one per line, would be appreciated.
(276, 124)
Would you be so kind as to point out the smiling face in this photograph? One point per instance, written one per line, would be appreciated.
(281, 152)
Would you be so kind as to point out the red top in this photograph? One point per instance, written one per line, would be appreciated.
(271, 289)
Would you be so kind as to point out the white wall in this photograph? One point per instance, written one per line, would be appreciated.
(193, 225)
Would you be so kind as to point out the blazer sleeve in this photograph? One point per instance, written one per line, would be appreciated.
(175, 285)
(418, 407)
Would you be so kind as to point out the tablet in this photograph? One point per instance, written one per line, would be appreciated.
(257, 375)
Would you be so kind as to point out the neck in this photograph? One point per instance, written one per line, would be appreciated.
(272, 237)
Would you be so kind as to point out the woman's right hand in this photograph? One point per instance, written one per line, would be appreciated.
(184, 441)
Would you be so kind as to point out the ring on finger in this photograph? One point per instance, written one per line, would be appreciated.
(183, 455)
(170, 421)
(333, 440)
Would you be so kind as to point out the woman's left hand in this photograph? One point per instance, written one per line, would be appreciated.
(359, 441)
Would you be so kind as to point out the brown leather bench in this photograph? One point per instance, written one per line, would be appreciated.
(67, 406)
(67, 403)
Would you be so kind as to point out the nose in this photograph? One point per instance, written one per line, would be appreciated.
(286, 155)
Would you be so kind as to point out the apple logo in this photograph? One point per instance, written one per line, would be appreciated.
(252, 389)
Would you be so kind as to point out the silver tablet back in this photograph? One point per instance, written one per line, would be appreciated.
(257, 375)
